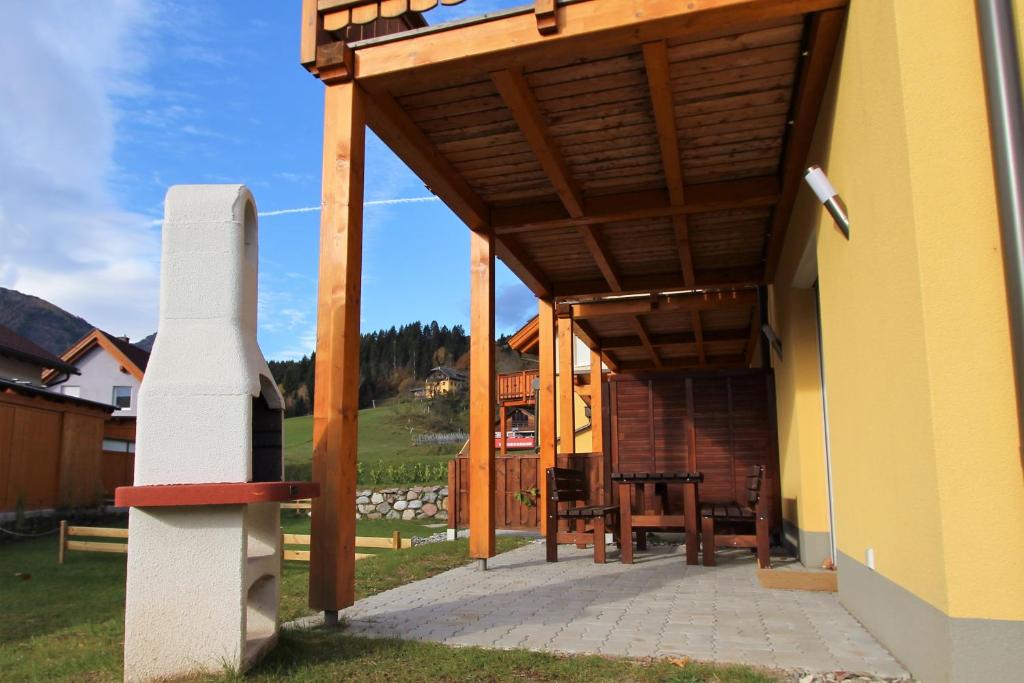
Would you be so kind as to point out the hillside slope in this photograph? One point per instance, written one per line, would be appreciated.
(36, 319)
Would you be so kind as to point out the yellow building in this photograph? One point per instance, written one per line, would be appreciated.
(909, 439)
(443, 381)
(659, 213)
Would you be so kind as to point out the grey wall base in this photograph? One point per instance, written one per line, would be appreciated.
(812, 547)
(932, 645)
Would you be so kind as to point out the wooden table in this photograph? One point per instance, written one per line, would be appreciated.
(654, 515)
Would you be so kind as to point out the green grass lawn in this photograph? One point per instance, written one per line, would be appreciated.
(383, 439)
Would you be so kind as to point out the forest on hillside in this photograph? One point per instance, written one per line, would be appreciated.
(391, 362)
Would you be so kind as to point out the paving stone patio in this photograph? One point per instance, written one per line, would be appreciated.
(658, 607)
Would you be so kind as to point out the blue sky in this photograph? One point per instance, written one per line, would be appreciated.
(105, 108)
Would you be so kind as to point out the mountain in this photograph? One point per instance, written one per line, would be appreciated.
(146, 343)
(36, 319)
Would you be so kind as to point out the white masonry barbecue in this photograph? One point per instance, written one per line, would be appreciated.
(204, 553)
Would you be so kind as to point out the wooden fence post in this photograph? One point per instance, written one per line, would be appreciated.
(63, 541)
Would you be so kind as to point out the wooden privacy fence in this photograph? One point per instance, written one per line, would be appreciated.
(516, 479)
(67, 542)
(396, 542)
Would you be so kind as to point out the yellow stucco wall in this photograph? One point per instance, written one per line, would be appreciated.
(924, 443)
(799, 408)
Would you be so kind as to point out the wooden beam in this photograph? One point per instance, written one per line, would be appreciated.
(672, 339)
(545, 12)
(689, 301)
(596, 404)
(482, 396)
(719, 363)
(312, 32)
(516, 94)
(519, 262)
(645, 284)
(638, 205)
(547, 423)
(336, 403)
(754, 335)
(587, 336)
(823, 36)
(645, 339)
(566, 394)
(596, 26)
(656, 65)
(387, 118)
(595, 245)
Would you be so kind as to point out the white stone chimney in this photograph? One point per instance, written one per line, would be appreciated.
(204, 574)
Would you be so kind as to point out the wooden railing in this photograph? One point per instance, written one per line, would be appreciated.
(396, 542)
(515, 479)
(517, 386)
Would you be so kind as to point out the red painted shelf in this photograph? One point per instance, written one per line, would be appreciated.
(241, 493)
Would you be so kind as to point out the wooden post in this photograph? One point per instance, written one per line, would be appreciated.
(481, 395)
(63, 541)
(396, 540)
(597, 423)
(336, 401)
(547, 436)
(453, 494)
(566, 400)
(503, 427)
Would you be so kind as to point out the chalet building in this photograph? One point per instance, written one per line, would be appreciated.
(443, 381)
(22, 361)
(857, 337)
(109, 369)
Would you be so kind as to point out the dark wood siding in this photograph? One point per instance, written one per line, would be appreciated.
(717, 423)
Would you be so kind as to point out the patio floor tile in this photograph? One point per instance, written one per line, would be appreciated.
(656, 607)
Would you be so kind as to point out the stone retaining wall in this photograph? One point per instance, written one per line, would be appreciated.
(410, 502)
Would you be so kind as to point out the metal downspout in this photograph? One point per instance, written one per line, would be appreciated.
(1001, 63)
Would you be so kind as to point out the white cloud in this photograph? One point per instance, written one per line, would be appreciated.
(62, 234)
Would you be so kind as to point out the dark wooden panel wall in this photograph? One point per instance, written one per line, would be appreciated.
(519, 473)
(718, 423)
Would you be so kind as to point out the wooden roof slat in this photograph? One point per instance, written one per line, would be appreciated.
(517, 96)
(645, 339)
(399, 132)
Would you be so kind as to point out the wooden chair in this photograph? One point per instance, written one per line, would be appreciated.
(745, 516)
(567, 485)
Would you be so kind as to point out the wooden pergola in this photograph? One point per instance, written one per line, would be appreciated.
(633, 162)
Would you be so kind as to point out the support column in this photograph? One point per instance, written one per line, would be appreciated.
(596, 403)
(547, 424)
(481, 396)
(336, 400)
(597, 422)
(566, 400)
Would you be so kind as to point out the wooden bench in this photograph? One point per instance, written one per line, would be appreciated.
(751, 515)
(571, 486)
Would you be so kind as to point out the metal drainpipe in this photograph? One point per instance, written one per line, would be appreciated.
(1000, 58)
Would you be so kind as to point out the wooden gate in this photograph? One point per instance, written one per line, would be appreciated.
(718, 423)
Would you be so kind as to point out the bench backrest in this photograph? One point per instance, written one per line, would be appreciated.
(755, 480)
(567, 485)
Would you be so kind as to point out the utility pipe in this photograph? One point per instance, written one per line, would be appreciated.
(1001, 62)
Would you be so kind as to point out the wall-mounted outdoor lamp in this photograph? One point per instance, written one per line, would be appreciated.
(828, 196)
